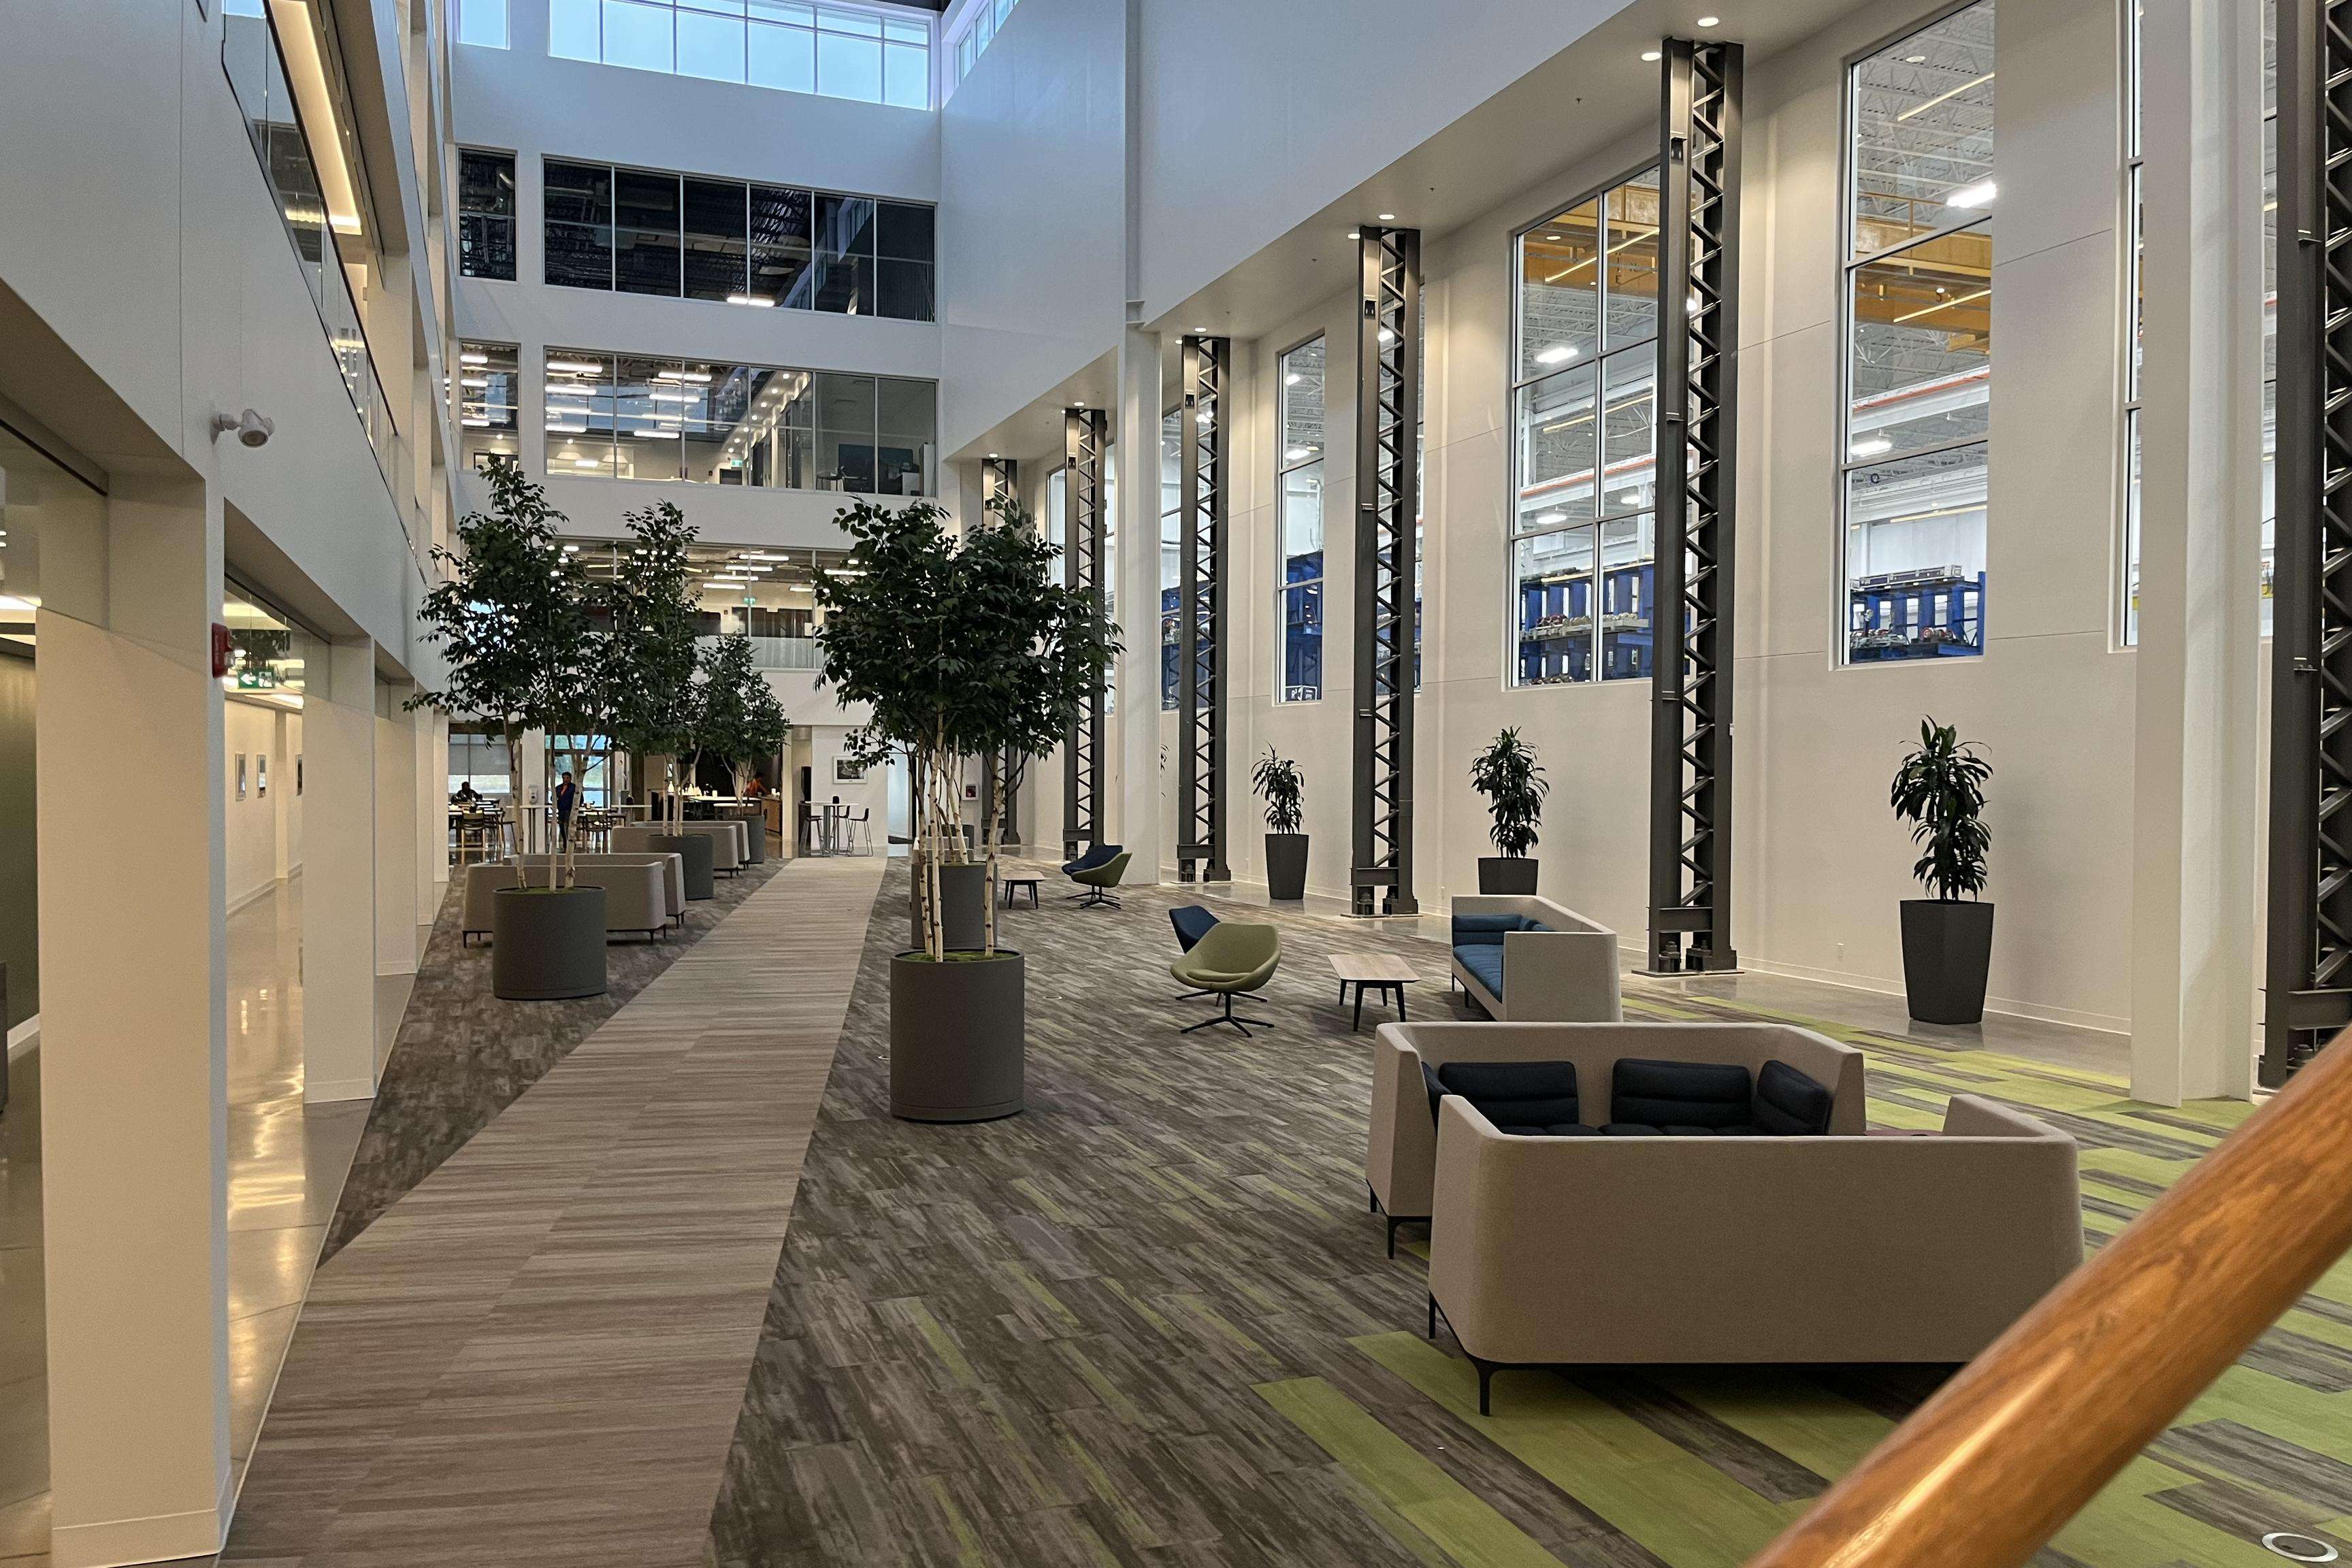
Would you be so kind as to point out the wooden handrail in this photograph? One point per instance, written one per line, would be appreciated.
(2005, 1453)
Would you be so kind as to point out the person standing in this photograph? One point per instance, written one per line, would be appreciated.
(567, 800)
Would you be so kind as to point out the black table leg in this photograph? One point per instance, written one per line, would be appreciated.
(1399, 991)
(1358, 1024)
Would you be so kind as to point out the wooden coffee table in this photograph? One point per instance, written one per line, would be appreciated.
(1377, 971)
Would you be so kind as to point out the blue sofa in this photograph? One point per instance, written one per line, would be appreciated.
(1527, 960)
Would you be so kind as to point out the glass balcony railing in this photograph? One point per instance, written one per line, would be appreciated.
(780, 653)
(255, 62)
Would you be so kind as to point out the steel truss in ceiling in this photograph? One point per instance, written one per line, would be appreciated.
(1085, 435)
(1388, 482)
(2308, 991)
(1200, 620)
(1698, 414)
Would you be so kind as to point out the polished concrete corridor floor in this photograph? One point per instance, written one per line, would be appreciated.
(1150, 1320)
(285, 1165)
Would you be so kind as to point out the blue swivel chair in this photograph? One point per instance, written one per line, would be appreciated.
(1192, 922)
(1094, 860)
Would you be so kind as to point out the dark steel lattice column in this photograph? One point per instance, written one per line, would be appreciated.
(1000, 478)
(1698, 408)
(1200, 616)
(2308, 995)
(1085, 434)
(1388, 418)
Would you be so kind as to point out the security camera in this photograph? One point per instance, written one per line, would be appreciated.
(251, 428)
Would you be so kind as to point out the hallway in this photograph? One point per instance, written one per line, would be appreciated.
(286, 1164)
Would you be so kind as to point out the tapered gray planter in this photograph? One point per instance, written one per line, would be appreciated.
(1507, 873)
(958, 1037)
(755, 833)
(1947, 953)
(699, 854)
(547, 944)
(963, 906)
(1286, 865)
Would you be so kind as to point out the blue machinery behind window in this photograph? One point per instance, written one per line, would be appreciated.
(1927, 614)
(1556, 615)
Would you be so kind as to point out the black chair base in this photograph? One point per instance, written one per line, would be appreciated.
(1228, 1016)
(1097, 897)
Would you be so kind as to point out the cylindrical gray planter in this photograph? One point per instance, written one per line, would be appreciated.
(700, 856)
(958, 1037)
(1507, 873)
(1286, 865)
(1947, 953)
(963, 906)
(547, 944)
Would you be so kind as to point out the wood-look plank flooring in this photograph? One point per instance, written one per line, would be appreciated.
(1150, 1321)
(536, 1354)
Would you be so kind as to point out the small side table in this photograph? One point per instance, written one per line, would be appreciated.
(1015, 884)
(1374, 971)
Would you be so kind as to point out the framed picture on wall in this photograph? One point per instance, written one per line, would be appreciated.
(261, 775)
(240, 776)
(972, 792)
(847, 771)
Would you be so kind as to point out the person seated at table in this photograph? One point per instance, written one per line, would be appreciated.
(755, 787)
(467, 794)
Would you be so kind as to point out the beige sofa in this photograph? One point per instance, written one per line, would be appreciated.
(673, 866)
(1547, 1251)
(731, 844)
(1401, 1161)
(635, 895)
(1565, 975)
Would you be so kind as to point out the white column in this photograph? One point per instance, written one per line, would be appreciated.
(281, 794)
(2195, 808)
(396, 848)
(1142, 813)
(432, 815)
(339, 860)
(530, 791)
(134, 1030)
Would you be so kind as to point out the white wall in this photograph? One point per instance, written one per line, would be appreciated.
(1822, 864)
(264, 832)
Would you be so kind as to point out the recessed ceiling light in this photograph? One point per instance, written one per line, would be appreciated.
(992, 455)
(1387, 217)
(1915, 59)
(1651, 55)
(1709, 21)
(1354, 234)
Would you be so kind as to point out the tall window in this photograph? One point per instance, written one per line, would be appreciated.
(641, 231)
(1584, 465)
(2134, 304)
(1299, 677)
(486, 214)
(1918, 320)
(482, 23)
(973, 41)
(1171, 551)
(877, 56)
(632, 418)
(488, 400)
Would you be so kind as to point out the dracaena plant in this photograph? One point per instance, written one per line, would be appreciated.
(1508, 773)
(1940, 790)
(965, 647)
(1278, 781)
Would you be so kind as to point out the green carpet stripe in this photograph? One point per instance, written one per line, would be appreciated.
(1683, 1510)
(1441, 1508)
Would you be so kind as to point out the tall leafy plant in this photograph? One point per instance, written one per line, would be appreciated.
(964, 647)
(1940, 789)
(1508, 773)
(511, 619)
(1278, 781)
(649, 620)
(738, 718)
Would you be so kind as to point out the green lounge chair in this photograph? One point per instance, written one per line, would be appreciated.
(1230, 959)
(1098, 880)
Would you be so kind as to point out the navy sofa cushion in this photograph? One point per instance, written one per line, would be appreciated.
(1485, 965)
(1485, 930)
(1192, 922)
(1516, 1094)
(1680, 1097)
(1790, 1103)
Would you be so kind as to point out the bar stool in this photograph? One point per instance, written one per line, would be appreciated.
(861, 831)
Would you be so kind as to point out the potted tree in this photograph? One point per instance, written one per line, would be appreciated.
(964, 647)
(1946, 937)
(650, 667)
(1508, 773)
(738, 718)
(511, 617)
(1278, 781)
